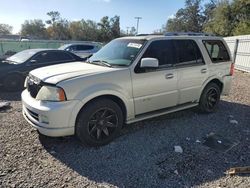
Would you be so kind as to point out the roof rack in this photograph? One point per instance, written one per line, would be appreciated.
(188, 33)
(144, 34)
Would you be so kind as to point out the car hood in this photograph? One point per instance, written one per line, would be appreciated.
(57, 73)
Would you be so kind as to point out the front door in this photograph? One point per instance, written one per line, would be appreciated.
(155, 89)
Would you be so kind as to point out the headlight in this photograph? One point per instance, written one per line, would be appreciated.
(50, 93)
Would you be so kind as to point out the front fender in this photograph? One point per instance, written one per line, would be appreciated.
(95, 91)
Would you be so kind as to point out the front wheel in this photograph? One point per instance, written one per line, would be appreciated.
(210, 98)
(99, 122)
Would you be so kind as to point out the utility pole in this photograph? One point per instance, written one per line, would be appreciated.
(137, 25)
(127, 29)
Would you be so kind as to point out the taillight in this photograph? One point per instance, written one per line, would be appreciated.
(232, 69)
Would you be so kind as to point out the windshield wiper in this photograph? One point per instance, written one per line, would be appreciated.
(100, 62)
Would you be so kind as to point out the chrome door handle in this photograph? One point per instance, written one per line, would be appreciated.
(203, 70)
(169, 76)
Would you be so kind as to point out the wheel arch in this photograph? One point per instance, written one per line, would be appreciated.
(212, 80)
(118, 100)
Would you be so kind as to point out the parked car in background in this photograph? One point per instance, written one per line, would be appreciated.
(83, 50)
(14, 69)
(7, 54)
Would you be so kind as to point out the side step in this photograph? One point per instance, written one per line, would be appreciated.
(161, 112)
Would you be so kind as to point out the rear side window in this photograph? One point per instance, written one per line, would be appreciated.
(187, 52)
(216, 50)
(84, 47)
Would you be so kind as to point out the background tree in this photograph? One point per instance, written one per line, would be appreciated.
(5, 29)
(222, 22)
(241, 17)
(115, 26)
(187, 19)
(132, 31)
(221, 17)
(34, 28)
(84, 30)
(58, 28)
(105, 33)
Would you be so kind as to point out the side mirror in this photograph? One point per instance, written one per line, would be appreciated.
(149, 63)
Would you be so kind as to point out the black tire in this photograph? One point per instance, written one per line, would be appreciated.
(13, 82)
(99, 122)
(210, 98)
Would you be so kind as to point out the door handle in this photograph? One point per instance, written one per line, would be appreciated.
(169, 76)
(203, 70)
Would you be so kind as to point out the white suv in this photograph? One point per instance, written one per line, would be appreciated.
(128, 80)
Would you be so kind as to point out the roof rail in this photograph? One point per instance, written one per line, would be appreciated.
(145, 34)
(188, 33)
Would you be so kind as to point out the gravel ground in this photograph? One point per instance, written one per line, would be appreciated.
(143, 156)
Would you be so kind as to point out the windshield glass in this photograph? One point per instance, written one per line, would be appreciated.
(63, 47)
(119, 52)
(21, 56)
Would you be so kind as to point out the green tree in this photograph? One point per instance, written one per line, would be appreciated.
(241, 16)
(190, 18)
(115, 26)
(34, 28)
(5, 29)
(222, 20)
(105, 33)
(58, 27)
(84, 30)
(54, 17)
(132, 31)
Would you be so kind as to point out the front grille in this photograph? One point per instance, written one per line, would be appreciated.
(33, 87)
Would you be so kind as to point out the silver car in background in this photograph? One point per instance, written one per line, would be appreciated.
(84, 49)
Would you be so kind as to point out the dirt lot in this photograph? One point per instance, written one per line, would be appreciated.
(143, 156)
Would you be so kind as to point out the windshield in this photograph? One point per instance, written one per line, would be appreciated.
(63, 47)
(119, 52)
(21, 56)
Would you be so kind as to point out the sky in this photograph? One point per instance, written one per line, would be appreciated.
(154, 13)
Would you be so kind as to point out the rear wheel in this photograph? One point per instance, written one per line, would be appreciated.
(99, 122)
(210, 98)
(13, 82)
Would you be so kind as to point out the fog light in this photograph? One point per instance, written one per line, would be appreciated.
(44, 119)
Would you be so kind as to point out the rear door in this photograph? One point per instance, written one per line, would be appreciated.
(156, 88)
(191, 70)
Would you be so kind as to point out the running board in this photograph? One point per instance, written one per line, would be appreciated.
(161, 112)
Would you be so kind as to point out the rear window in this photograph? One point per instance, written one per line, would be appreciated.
(216, 50)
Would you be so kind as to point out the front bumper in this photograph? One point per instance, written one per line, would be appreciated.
(49, 118)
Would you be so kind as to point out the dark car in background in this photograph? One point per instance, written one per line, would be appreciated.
(14, 69)
(83, 50)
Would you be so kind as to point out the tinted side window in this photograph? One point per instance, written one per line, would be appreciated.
(84, 47)
(62, 56)
(216, 50)
(43, 57)
(161, 50)
(71, 48)
(187, 52)
(48, 57)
